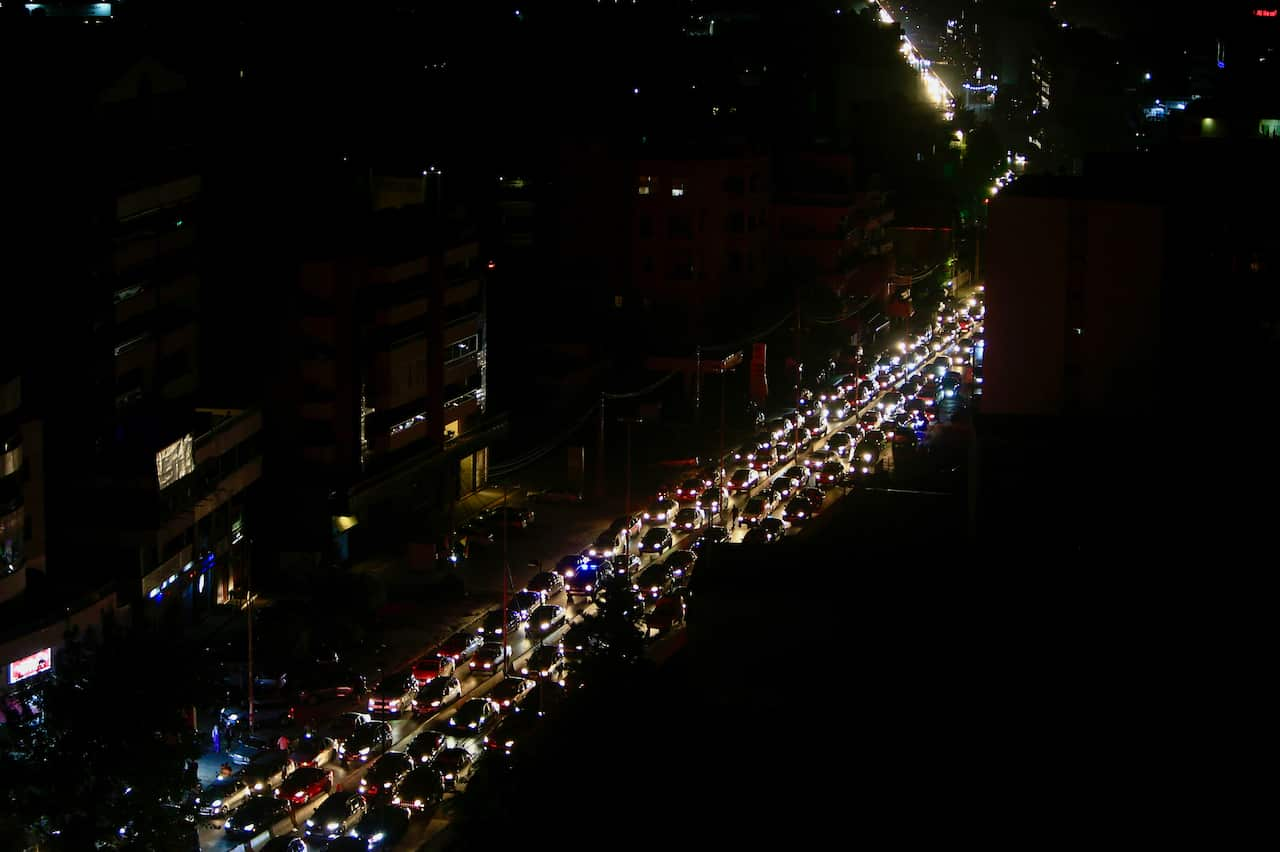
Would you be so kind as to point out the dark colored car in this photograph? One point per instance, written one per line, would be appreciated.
(606, 544)
(305, 785)
(255, 816)
(756, 535)
(425, 746)
(386, 774)
(656, 540)
(490, 657)
(394, 695)
(314, 751)
(512, 517)
(655, 581)
(292, 842)
(336, 816)
(681, 564)
(475, 716)
(325, 681)
(544, 621)
(368, 741)
(711, 535)
(525, 601)
(775, 527)
(383, 826)
(506, 736)
(547, 661)
(588, 576)
(548, 582)
(798, 511)
(422, 788)
(456, 765)
(268, 769)
(509, 694)
(343, 726)
(667, 613)
(223, 795)
(494, 624)
(460, 646)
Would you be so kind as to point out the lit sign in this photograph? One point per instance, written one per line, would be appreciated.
(174, 462)
(1265, 13)
(40, 661)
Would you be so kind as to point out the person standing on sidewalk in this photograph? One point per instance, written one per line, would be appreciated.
(217, 737)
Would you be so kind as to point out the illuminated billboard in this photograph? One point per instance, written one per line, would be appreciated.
(174, 462)
(40, 661)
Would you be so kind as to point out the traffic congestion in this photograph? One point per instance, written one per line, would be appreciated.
(374, 768)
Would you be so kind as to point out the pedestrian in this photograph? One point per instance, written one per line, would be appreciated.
(217, 737)
(283, 742)
(734, 515)
(225, 771)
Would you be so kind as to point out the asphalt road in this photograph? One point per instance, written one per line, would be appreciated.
(558, 530)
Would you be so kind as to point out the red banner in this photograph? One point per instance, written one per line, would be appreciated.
(759, 381)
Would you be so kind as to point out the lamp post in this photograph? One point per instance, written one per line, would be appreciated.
(626, 532)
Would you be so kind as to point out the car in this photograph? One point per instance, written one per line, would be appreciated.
(544, 621)
(870, 419)
(512, 517)
(314, 750)
(889, 403)
(660, 510)
(304, 785)
(867, 455)
(425, 746)
(460, 645)
(509, 694)
(422, 788)
(341, 727)
(323, 681)
(291, 842)
(547, 582)
(816, 496)
(756, 535)
(667, 614)
(867, 389)
(270, 712)
(779, 427)
(709, 536)
(656, 540)
(525, 602)
(786, 449)
(369, 740)
(336, 816)
(606, 544)
(255, 816)
(839, 409)
(625, 566)
(816, 425)
(740, 456)
(628, 525)
(476, 534)
(222, 795)
(744, 479)
(817, 459)
(268, 770)
(775, 527)
(910, 388)
(475, 715)
(586, 577)
(690, 518)
(841, 443)
(393, 695)
(712, 499)
(794, 477)
(831, 471)
(386, 774)
(681, 564)
(508, 733)
(383, 826)
(546, 662)
(691, 487)
(494, 624)
(755, 511)
(655, 581)
(951, 383)
(764, 460)
(929, 393)
(798, 511)
(490, 657)
(432, 666)
(437, 695)
(456, 766)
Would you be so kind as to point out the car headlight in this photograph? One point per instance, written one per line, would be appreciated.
(257, 787)
(215, 804)
(333, 826)
(366, 750)
(310, 823)
(395, 702)
(249, 827)
(417, 803)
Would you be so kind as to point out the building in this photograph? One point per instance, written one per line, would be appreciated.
(1088, 283)
(699, 225)
(381, 388)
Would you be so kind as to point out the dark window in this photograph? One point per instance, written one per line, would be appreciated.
(679, 227)
(644, 225)
(733, 184)
(733, 222)
(647, 264)
(734, 262)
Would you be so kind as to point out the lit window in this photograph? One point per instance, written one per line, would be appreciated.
(644, 186)
(677, 188)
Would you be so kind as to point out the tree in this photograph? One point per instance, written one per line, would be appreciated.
(111, 747)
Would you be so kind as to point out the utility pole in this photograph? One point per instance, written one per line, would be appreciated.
(248, 580)
(697, 390)
(600, 452)
(626, 534)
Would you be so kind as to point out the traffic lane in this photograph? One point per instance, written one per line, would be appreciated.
(557, 529)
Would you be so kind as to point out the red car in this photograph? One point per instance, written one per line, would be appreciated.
(431, 667)
(304, 785)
